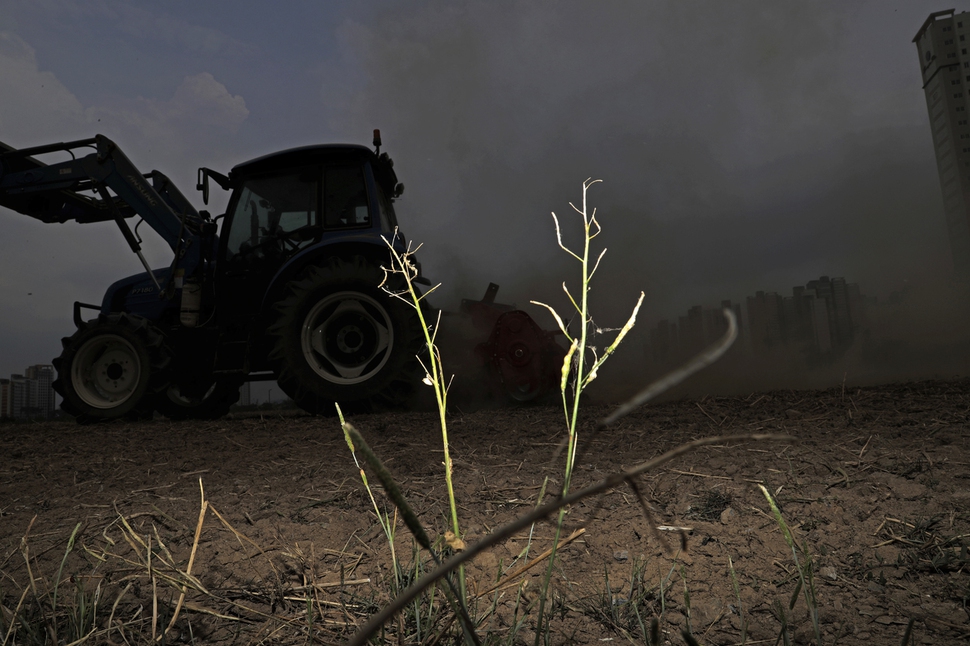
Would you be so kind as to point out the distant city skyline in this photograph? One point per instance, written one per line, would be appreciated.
(28, 395)
(819, 320)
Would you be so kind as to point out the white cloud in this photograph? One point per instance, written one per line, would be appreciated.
(33, 103)
(37, 107)
(199, 105)
(206, 100)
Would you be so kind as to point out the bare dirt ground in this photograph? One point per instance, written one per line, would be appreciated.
(877, 489)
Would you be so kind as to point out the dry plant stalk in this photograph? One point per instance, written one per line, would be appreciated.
(188, 568)
(575, 368)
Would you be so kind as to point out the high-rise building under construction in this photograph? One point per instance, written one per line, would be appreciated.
(943, 43)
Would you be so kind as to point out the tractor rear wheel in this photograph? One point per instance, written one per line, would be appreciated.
(111, 368)
(339, 337)
(213, 404)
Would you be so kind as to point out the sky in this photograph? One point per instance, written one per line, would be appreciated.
(742, 145)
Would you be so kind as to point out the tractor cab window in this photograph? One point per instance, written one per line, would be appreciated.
(345, 198)
(274, 217)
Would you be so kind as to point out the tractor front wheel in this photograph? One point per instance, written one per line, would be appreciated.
(339, 337)
(111, 368)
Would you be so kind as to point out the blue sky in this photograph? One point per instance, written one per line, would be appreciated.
(743, 145)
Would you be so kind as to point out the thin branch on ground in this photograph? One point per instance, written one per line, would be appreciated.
(540, 514)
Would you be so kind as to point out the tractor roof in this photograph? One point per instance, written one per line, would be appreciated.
(302, 156)
(319, 154)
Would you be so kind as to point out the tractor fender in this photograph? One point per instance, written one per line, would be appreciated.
(368, 246)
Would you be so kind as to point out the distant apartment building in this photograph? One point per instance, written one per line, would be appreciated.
(943, 43)
(18, 396)
(40, 397)
(5, 401)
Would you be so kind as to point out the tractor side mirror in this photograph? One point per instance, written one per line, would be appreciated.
(399, 190)
(202, 184)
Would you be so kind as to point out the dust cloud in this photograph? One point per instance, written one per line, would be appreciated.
(743, 147)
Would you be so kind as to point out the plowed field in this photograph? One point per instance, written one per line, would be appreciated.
(876, 491)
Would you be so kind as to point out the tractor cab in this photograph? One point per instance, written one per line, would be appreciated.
(288, 201)
(288, 210)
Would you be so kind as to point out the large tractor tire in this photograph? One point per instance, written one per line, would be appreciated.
(111, 368)
(215, 403)
(338, 337)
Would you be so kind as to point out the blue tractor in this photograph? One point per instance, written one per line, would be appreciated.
(288, 286)
(288, 290)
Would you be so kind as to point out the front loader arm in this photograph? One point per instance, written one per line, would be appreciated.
(54, 192)
(23, 188)
(77, 190)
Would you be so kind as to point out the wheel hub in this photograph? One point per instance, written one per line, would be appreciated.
(347, 337)
(350, 339)
(114, 371)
